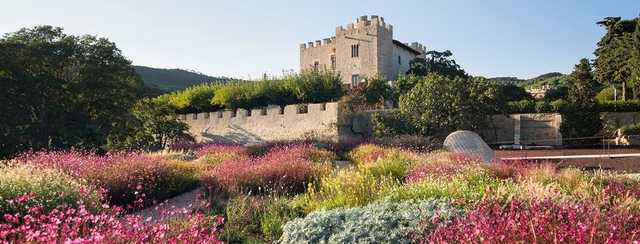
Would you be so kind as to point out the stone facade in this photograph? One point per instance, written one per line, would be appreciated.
(366, 48)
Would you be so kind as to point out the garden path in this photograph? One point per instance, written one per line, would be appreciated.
(186, 203)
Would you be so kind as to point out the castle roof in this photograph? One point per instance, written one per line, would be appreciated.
(405, 46)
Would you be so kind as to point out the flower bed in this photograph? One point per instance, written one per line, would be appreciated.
(260, 189)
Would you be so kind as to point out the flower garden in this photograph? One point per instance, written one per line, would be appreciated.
(290, 192)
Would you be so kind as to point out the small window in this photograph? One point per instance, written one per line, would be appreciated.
(399, 60)
(316, 65)
(355, 50)
(333, 61)
(355, 79)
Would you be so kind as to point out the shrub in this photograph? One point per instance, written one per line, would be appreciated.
(543, 107)
(599, 187)
(417, 143)
(366, 153)
(440, 165)
(126, 177)
(343, 148)
(347, 188)
(514, 170)
(393, 165)
(286, 169)
(250, 216)
(23, 187)
(619, 106)
(185, 146)
(383, 221)
(221, 149)
(558, 106)
(243, 214)
(187, 175)
(540, 221)
(183, 157)
(608, 94)
(580, 121)
(315, 86)
(276, 214)
(464, 187)
(632, 129)
(524, 106)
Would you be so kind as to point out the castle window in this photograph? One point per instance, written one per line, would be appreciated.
(355, 79)
(355, 50)
(399, 61)
(316, 65)
(333, 61)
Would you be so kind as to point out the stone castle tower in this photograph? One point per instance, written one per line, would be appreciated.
(366, 48)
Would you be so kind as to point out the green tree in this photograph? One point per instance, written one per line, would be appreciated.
(511, 92)
(580, 116)
(582, 85)
(614, 55)
(442, 104)
(62, 90)
(376, 92)
(635, 61)
(150, 125)
(559, 92)
(404, 84)
(436, 62)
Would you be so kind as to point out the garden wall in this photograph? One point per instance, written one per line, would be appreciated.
(318, 120)
(614, 120)
(540, 129)
(259, 125)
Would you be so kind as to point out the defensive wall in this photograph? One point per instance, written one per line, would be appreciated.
(320, 120)
(259, 125)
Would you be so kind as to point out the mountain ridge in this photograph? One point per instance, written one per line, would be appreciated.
(160, 80)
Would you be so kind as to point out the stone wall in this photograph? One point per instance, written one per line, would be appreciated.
(540, 129)
(319, 120)
(614, 120)
(259, 125)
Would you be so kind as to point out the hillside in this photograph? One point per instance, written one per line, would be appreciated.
(553, 79)
(505, 80)
(168, 80)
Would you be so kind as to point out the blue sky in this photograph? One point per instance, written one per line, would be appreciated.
(244, 39)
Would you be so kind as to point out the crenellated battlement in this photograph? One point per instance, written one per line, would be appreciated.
(364, 22)
(255, 125)
(318, 43)
(359, 23)
(364, 48)
(417, 46)
(288, 111)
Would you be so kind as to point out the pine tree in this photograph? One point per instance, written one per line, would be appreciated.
(581, 118)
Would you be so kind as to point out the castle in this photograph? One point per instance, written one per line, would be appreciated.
(366, 48)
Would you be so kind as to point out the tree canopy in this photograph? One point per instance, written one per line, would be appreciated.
(436, 62)
(438, 103)
(581, 118)
(614, 54)
(61, 91)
